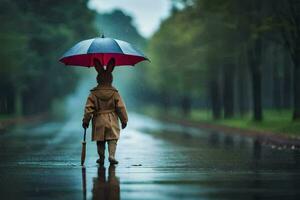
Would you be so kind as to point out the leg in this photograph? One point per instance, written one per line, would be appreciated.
(101, 152)
(112, 145)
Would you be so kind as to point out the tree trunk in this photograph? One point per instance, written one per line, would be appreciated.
(256, 89)
(241, 84)
(287, 83)
(215, 96)
(228, 90)
(292, 41)
(255, 70)
(186, 105)
(276, 87)
(242, 91)
(296, 80)
(18, 102)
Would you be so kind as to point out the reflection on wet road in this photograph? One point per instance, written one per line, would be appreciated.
(157, 161)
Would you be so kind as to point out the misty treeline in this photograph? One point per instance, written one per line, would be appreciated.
(130, 81)
(33, 36)
(231, 56)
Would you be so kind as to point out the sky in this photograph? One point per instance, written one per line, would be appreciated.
(147, 14)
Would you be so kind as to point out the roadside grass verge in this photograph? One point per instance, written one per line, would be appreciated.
(276, 122)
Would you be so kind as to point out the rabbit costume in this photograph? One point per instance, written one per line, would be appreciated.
(104, 106)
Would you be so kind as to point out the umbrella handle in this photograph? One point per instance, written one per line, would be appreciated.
(84, 134)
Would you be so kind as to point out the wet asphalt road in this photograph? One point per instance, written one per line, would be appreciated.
(157, 161)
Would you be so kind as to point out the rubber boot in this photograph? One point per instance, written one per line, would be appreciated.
(101, 152)
(112, 145)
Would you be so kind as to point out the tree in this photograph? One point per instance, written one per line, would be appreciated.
(35, 34)
(287, 18)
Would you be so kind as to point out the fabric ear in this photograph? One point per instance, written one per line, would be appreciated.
(98, 66)
(111, 65)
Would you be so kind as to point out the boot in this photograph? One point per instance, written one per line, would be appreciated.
(112, 145)
(101, 152)
(100, 161)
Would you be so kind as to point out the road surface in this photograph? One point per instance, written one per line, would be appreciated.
(157, 161)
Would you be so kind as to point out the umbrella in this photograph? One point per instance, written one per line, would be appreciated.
(83, 53)
(83, 148)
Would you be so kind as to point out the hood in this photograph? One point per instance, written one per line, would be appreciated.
(104, 92)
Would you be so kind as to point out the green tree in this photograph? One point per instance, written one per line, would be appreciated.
(36, 33)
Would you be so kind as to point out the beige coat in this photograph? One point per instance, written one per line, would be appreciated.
(104, 106)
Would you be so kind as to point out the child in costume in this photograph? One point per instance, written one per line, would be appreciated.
(104, 106)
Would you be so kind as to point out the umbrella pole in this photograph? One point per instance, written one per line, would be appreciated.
(83, 151)
(84, 135)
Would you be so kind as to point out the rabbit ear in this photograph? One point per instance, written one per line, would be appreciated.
(98, 66)
(111, 65)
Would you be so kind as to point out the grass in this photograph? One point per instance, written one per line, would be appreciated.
(277, 122)
(5, 117)
(274, 121)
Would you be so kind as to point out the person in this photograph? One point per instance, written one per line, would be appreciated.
(104, 107)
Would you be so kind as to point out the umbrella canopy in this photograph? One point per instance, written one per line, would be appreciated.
(83, 53)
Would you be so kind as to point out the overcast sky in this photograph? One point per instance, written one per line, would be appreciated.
(147, 14)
